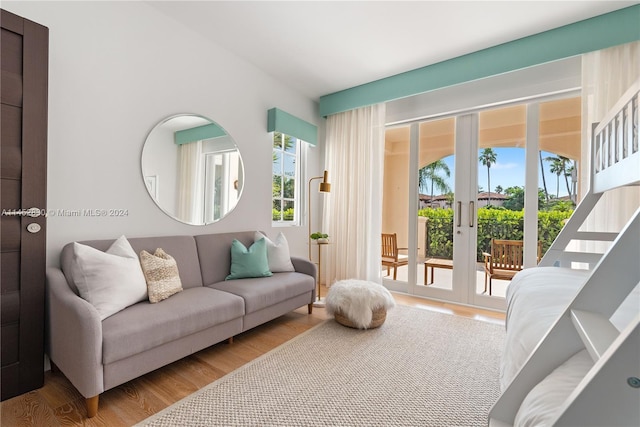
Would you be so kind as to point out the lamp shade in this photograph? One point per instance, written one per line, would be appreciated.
(325, 187)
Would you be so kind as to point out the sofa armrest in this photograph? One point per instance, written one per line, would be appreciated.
(73, 335)
(303, 265)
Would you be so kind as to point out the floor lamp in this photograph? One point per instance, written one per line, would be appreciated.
(325, 187)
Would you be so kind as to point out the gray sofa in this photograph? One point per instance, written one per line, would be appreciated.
(99, 355)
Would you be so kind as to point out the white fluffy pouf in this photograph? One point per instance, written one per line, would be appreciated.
(356, 299)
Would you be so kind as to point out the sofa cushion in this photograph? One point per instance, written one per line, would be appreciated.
(249, 262)
(110, 280)
(144, 326)
(161, 272)
(264, 292)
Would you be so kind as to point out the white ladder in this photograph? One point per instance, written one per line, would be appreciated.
(608, 395)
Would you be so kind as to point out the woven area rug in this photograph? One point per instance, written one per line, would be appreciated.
(420, 368)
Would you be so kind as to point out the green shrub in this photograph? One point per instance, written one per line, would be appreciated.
(549, 225)
(439, 236)
(288, 215)
(491, 223)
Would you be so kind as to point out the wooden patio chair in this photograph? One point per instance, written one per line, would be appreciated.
(504, 261)
(390, 255)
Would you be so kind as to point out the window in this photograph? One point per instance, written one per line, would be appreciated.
(286, 172)
(221, 185)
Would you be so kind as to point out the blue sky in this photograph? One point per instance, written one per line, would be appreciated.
(508, 171)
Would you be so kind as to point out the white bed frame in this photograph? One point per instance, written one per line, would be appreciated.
(608, 395)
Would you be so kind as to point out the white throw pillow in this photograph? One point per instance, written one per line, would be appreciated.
(111, 280)
(277, 253)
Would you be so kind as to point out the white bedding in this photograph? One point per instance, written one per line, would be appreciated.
(535, 299)
(542, 404)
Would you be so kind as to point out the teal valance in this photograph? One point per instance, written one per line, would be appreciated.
(199, 133)
(281, 121)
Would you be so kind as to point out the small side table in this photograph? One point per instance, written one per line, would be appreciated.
(319, 301)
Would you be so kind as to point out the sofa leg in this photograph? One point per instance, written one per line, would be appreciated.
(310, 308)
(92, 406)
(230, 340)
(54, 368)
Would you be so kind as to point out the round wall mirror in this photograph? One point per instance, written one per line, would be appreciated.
(192, 169)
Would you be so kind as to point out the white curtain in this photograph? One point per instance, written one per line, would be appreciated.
(190, 183)
(606, 75)
(354, 156)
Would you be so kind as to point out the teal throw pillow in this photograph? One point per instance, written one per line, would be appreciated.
(252, 262)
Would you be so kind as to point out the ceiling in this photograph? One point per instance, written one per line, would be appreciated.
(321, 47)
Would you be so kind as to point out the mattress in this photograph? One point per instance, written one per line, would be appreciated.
(536, 297)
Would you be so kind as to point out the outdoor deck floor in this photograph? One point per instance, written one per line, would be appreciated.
(443, 276)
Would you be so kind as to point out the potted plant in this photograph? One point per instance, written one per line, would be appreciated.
(320, 238)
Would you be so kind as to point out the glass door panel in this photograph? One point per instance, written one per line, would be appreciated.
(446, 202)
(436, 187)
(395, 201)
(501, 196)
(558, 166)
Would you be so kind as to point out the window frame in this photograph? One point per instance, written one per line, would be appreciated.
(297, 201)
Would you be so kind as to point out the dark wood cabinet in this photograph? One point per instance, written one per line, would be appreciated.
(23, 170)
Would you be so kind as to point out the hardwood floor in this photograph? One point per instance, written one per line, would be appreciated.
(59, 404)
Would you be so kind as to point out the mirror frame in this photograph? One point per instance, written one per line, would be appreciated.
(151, 185)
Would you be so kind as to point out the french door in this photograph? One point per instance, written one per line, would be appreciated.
(472, 178)
(447, 239)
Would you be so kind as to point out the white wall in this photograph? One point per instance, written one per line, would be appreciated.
(116, 69)
(607, 75)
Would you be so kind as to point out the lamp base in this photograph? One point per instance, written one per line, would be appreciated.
(320, 302)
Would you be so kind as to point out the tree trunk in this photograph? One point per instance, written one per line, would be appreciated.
(431, 201)
(544, 181)
(489, 183)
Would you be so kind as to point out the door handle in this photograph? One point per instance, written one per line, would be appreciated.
(472, 213)
(34, 228)
(31, 212)
(459, 222)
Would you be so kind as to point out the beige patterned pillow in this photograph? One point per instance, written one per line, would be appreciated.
(161, 272)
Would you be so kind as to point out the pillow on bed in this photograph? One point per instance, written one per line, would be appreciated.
(110, 280)
(540, 407)
(278, 254)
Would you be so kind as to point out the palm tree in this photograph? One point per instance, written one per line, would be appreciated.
(559, 167)
(488, 158)
(277, 143)
(431, 173)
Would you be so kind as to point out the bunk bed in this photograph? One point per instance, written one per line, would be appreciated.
(572, 348)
